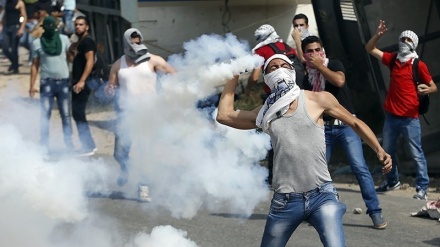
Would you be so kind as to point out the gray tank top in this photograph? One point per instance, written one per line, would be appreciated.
(299, 152)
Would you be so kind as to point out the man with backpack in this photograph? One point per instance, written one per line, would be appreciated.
(402, 106)
(269, 43)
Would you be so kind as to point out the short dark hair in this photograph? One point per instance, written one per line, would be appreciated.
(82, 17)
(301, 16)
(310, 39)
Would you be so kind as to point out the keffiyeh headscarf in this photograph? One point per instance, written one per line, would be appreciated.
(265, 35)
(407, 50)
(283, 92)
(135, 52)
(316, 79)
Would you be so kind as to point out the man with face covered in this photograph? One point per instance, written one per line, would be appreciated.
(294, 120)
(134, 75)
(300, 23)
(49, 54)
(401, 106)
(329, 75)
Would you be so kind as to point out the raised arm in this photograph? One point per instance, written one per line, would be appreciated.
(333, 108)
(296, 35)
(227, 115)
(371, 45)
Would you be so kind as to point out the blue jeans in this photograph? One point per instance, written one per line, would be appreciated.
(49, 90)
(79, 105)
(320, 207)
(68, 22)
(351, 142)
(27, 39)
(409, 128)
(122, 141)
(10, 45)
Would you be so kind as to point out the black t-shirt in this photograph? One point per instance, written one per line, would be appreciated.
(342, 94)
(79, 62)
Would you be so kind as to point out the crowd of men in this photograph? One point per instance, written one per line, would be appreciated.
(307, 110)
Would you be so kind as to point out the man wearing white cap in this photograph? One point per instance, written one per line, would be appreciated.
(303, 188)
(134, 74)
(401, 106)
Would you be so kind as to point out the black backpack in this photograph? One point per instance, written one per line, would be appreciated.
(423, 99)
(297, 65)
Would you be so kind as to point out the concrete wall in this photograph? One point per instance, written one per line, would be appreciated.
(166, 26)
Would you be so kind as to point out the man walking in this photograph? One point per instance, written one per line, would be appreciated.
(294, 120)
(402, 104)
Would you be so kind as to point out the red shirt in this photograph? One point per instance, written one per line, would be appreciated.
(266, 52)
(402, 99)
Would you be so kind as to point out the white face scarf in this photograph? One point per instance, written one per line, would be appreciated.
(283, 92)
(406, 51)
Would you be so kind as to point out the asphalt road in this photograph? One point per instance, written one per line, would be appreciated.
(224, 229)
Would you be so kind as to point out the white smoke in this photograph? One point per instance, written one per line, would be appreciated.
(188, 161)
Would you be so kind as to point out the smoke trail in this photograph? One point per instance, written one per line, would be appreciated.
(188, 161)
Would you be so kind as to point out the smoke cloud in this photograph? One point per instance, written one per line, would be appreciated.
(188, 161)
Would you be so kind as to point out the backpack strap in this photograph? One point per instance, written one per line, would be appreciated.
(276, 49)
(415, 71)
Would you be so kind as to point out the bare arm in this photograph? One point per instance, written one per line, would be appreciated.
(34, 71)
(334, 109)
(427, 89)
(161, 65)
(337, 78)
(113, 81)
(370, 47)
(22, 8)
(228, 116)
(296, 35)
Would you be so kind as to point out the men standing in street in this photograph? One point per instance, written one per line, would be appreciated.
(50, 53)
(329, 75)
(303, 188)
(82, 53)
(135, 75)
(402, 104)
